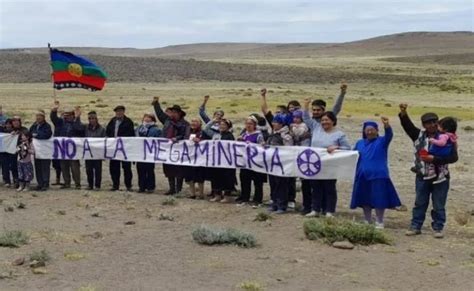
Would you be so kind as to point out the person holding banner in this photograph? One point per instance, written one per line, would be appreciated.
(41, 130)
(146, 171)
(279, 186)
(69, 125)
(373, 188)
(120, 126)
(324, 135)
(216, 118)
(175, 128)
(9, 164)
(251, 135)
(94, 167)
(223, 181)
(196, 175)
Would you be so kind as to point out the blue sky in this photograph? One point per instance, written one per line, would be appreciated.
(148, 24)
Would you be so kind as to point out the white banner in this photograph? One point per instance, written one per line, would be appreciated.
(8, 143)
(287, 161)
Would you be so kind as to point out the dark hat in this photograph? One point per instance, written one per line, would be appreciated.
(178, 109)
(430, 116)
(119, 107)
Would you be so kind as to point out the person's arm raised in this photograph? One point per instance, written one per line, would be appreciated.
(410, 129)
(307, 119)
(340, 99)
(160, 114)
(264, 105)
(202, 110)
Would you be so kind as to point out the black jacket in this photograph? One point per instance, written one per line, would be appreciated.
(126, 128)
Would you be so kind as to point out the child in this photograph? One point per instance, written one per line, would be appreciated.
(196, 175)
(146, 171)
(25, 166)
(223, 180)
(279, 186)
(299, 130)
(442, 146)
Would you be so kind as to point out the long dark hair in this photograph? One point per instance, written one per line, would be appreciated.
(331, 116)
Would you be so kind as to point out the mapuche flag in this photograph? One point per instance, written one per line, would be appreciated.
(71, 71)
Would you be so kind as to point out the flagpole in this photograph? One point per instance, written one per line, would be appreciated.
(52, 78)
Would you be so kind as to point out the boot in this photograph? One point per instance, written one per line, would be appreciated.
(200, 191)
(192, 190)
(172, 185)
(179, 185)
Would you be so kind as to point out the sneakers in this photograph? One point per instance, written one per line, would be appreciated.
(280, 211)
(216, 198)
(379, 225)
(312, 214)
(412, 232)
(8, 185)
(329, 215)
(438, 234)
(291, 205)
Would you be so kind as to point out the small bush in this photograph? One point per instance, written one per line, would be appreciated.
(40, 256)
(468, 127)
(207, 235)
(332, 230)
(169, 201)
(262, 216)
(250, 286)
(13, 239)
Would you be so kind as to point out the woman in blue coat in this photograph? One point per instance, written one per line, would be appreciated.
(373, 188)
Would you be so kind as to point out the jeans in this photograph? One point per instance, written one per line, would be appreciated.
(439, 194)
(279, 189)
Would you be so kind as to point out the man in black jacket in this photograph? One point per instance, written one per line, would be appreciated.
(68, 125)
(424, 185)
(120, 126)
(41, 130)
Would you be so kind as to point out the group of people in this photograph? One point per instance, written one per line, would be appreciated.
(310, 125)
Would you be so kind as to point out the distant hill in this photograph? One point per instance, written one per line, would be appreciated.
(195, 61)
(401, 44)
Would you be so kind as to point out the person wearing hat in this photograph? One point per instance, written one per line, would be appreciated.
(279, 186)
(424, 184)
(175, 128)
(94, 167)
(69, 125)
(146, 171)
(41, 130)
(373, 188)
(120, 126)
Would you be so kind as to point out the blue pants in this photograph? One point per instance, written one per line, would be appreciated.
(323, 196)
(439, 194)
(279, 189)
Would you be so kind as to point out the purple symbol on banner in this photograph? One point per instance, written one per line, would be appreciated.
(309, 163)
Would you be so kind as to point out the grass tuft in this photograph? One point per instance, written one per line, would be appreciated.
(13, 239)
(250, 286)
(208, 235)
(262, 216)
(334, 229)
(169, 201)
(40, 256)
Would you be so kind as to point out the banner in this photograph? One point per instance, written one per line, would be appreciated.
(286, 161)
(8, 143)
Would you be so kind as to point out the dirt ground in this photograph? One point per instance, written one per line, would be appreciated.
(92, 248)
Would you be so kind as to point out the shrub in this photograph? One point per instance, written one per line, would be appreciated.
(13, 239)
(169, 201)
(207, 235)
(333, 229)
(250, 286)
(262, 216)
(40, 256)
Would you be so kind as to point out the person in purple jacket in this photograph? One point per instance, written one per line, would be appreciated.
(373, 188)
